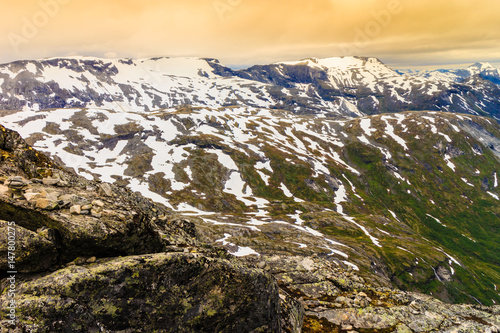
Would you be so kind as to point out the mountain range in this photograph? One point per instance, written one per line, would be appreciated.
(348, 86)
(391, 174)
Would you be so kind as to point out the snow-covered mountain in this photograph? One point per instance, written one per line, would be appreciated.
(395, 196)
(481, 69)
(312, 157)
(348, 86)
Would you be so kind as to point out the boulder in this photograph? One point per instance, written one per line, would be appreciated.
(32, 196)
(167, 292)
(5, 191)
(33, 253)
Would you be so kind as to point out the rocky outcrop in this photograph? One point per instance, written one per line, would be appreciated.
(338, 300)
(167, 292)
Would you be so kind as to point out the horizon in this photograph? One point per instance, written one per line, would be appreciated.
(394, 66)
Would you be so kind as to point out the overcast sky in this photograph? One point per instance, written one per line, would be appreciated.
(402, 33)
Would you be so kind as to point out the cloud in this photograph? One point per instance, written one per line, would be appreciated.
(257, 31)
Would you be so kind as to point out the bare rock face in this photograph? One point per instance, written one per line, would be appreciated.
(338, 300)
(168, 292)
(35, 253)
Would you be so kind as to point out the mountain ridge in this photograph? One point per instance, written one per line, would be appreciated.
(351, 86)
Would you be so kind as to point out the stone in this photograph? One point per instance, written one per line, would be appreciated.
(34, 253)
(98, 203)
(16, 183)
(86, 207)
(80, 261)
(50, 181)
(32, 196)
(52, 195)
(96, 213)
(91, 260)
(46, 204)
(195, 299)
(75, 209)
(105, 189)
(444, 274)
(5, 191)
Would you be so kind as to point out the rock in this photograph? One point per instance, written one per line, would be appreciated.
(98, 203)
(444, 274)
(105, 189)
(50, 181)
(32, 196)
(46, 204)
(67, 200)
(96, 213)
(86, 207)
(186, 293)
(75, 209)
(80, 261)
(91, 260)
(34, 253)
(5, 191)
(52, 195)
(16, 183)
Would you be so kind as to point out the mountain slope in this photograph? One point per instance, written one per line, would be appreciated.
(409, 199)
(166, 278)
(341, 87)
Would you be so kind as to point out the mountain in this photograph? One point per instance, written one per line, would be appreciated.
(106, 259)
(341, 87)
(396, 196)
(482, 70)
(340, 178)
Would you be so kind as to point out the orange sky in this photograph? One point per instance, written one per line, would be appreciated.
(402, 33)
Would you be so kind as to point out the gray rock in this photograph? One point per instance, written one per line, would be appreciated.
(33, 252)
(184, 292)
(50, 181)
(105, 189)
(16, 183)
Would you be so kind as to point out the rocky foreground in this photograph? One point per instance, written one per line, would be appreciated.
(95, 257)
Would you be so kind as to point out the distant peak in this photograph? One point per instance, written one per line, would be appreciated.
(481, 66)
(333, 62)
